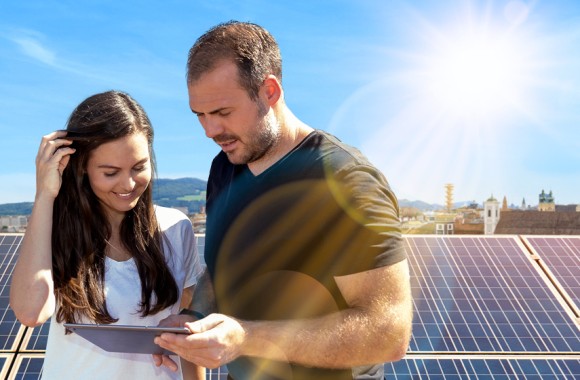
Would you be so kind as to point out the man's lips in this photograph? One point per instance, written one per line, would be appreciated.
(227, 145)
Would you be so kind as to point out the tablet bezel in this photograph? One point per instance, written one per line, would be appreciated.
(125, 338)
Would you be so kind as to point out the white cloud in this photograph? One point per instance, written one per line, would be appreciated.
(33, 48)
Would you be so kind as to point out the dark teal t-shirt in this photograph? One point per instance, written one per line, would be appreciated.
(275, 242)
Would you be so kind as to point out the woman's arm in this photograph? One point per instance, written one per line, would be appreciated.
(189, 370)
(32, 288)
(32, 291)
(203, 296)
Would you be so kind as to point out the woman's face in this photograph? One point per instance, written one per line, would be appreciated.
(119, 172)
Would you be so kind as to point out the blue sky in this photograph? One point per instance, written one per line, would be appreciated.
(481, 94)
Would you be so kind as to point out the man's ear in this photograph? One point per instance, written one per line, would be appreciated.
(271, 90)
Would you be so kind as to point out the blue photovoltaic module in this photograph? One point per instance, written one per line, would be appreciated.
(561, 256)
(484, 308)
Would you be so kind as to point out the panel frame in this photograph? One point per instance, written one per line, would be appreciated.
(552, 277)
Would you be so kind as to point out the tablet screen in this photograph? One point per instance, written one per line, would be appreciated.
(125, 338)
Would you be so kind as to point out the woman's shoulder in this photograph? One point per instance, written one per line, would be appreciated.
(168, 217)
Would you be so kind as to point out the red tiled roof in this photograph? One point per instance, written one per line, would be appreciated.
(538, 223)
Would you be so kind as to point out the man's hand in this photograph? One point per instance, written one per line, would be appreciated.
(171, 321)
(215, 341)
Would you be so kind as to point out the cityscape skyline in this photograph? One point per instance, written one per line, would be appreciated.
(483, 94)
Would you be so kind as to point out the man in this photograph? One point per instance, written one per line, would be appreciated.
(302, 242)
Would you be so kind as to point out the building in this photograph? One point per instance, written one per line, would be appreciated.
(13, 223)
(547, 219)
(535, 222)
(491, 215)
(546, 202)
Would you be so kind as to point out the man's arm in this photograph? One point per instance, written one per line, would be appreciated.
(375, 328)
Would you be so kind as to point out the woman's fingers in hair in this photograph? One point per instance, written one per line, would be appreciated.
(53, 157)
(54, 143)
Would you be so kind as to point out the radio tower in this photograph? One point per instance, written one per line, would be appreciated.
(449, 196)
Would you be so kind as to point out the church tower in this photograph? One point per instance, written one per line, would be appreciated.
(504, 205)
(491, 215)
(546, 202)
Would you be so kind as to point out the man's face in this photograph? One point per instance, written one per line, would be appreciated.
(246, 130)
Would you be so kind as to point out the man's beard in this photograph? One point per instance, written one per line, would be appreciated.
(261, 142)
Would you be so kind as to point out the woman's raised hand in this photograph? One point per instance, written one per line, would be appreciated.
(52, 158)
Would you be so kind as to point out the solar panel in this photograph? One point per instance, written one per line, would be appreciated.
(220, 373)
(27, 367)
(35, 339)
(482, 305)
(5, 361)
(484, 294)
(561, 256)
(10, 329)
(497, 368)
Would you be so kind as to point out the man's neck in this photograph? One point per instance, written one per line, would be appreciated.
(293, 132)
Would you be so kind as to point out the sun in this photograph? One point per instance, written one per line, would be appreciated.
(449, 104)
(476, 75)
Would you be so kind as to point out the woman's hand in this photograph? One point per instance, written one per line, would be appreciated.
(52, 158)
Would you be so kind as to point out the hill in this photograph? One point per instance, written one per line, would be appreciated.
(424, 206)
(182, 192)
(190, 193)
(419, 205)
(22, 208)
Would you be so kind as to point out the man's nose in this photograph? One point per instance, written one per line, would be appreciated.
(212, 126)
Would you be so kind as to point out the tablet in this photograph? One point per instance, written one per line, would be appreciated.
(125, 338)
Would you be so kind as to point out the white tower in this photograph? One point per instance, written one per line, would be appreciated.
(491, 215)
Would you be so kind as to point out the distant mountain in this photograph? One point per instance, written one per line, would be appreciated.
(420, 205)
(424, 206)
(182, 192)
(177, 188)
(190, 193)
(22, 208)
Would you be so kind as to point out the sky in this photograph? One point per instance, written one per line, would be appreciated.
(484, 95)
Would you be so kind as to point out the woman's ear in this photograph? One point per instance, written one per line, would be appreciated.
(271, 90)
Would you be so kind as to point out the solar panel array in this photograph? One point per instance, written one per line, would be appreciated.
(490, 368)
(560, 256)
(483, 294)
(10, 329)
(483, 306)
(486, 307)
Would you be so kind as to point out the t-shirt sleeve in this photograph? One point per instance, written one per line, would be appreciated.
(191, 260)
(372, 202)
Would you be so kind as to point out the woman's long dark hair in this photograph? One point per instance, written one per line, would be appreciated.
(80, 226)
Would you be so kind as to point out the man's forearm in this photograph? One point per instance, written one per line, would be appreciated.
(375, 328)
(344, 339)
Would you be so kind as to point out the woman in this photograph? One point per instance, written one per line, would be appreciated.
(96, 250)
